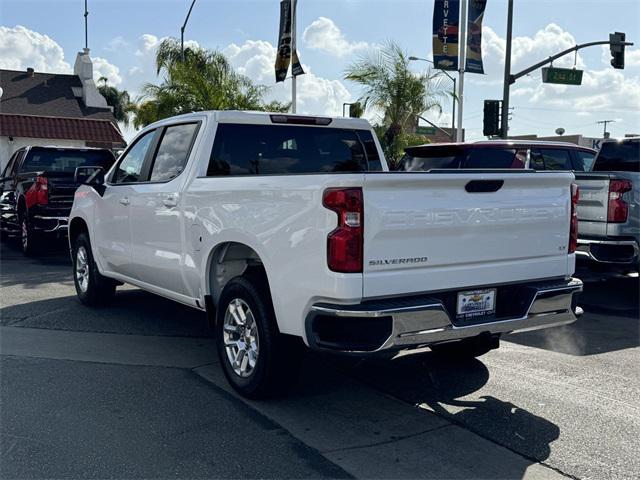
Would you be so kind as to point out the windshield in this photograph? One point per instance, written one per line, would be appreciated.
(61, 160)
(619, 156)
(447, 157)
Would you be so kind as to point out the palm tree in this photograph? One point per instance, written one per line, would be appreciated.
(400, 96)
(118, 99)
(205, 80)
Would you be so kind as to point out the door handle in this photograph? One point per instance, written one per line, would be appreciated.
(170, 201)
(125, 201)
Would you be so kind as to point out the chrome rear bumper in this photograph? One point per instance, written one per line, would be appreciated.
(423, 321)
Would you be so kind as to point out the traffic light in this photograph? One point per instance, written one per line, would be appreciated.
(617, 49)
(491, 118)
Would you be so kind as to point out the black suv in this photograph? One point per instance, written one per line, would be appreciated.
(37, 188)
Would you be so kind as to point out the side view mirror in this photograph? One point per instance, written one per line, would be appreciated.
(92, 176)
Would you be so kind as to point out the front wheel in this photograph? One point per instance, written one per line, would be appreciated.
(92, 288)
(257, 360)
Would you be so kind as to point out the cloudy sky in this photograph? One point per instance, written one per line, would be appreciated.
(332, 33)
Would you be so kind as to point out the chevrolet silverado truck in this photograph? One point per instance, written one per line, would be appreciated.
(37, 188)
(289, 231)
(609, 207)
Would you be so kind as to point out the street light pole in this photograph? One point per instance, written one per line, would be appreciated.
(462, 51)
(453, 96)
(504, 125)
(294, 81)
(184, 26)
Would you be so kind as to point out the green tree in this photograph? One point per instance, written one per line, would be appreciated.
(397, 94)
(118, 99)
(205, 80)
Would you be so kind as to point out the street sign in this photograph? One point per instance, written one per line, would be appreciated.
(426, 130)
(562, 76)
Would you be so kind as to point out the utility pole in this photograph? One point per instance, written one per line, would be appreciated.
(504, 125)
(86, 25)
(182, 29)
(462, 50)
(605, 123)
(294, 80)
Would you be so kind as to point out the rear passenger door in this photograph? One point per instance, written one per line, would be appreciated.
(156, 218)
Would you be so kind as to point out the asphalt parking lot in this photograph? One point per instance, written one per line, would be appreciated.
(134, 390)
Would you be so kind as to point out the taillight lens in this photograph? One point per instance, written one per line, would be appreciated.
(345, 243)
(573, 231)
(38, 194)
(618, 210)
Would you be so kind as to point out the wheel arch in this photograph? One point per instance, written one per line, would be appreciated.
(226, 261)
(77, 225)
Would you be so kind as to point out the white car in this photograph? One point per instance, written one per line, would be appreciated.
(290, 231)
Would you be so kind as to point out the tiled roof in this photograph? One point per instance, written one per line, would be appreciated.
(45, 94)
(90, 130)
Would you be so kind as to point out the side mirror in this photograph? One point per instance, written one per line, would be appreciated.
(92, 176)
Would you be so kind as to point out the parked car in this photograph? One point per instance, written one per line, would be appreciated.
(519, 154)
(286, 228)
(609, 207)
(36, 191)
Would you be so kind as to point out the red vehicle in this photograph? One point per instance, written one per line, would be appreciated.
(535, 155)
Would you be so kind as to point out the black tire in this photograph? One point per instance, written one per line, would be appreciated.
(98, 290)
(278, 356)
(467, 348)
(28, 239)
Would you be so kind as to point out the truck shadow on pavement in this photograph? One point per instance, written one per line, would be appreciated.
(447, 388)
(610, 322)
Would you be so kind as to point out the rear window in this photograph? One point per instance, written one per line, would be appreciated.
(432, 158)
(619, 156)
(277, 150)
(60, 160)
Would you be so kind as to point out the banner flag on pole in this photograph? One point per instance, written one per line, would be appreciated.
(446, 20)
(474, 36)
(283, 57)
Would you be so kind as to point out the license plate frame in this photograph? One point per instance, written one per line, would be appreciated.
(476, 303)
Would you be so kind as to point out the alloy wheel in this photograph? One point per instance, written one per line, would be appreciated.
(240, 336)
(82, 269)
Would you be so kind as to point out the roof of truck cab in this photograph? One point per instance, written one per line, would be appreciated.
(235, 116)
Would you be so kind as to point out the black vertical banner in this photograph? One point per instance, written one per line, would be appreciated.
(283, 57)
(474, 36)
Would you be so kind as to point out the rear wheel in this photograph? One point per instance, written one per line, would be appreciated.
(257, 360)
(92, 288)
(467, 348)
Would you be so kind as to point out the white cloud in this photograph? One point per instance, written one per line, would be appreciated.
(632, 58)
(21, 48)
(324, 35)
(147, 44)
(316, 95)
(103, 68)
(117, 44)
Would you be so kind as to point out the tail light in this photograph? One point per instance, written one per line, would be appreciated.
(345, 243)
(38, 194)
(618, 210)
(573, 230)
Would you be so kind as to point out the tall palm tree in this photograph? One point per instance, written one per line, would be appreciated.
(204, 80)
(399, 95)
(118, 99)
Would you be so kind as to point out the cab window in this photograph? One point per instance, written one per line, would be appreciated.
(173, 152)
(585, 160)
(129, 168)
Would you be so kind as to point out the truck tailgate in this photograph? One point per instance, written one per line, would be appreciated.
(438, 231)
(593, 203)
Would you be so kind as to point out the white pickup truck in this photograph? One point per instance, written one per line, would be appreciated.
(286, 228)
